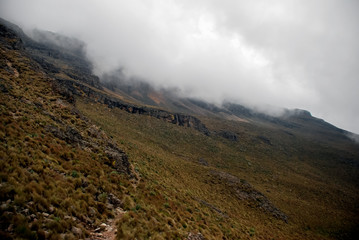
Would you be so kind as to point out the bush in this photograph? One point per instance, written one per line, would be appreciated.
(74, 174)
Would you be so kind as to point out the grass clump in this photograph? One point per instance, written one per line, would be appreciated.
(74, 174)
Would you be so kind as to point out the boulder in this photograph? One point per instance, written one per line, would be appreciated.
(195, 236)
(103, 226)
(77, 231)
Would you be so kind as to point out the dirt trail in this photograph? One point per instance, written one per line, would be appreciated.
(109, 231)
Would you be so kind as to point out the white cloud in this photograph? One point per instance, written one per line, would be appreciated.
(287, 53)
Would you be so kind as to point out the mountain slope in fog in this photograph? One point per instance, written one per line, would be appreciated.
(163, 166)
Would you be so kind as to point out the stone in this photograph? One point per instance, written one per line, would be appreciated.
(195, 236)
(109, 206)
(112, 199)
(120, 211)
(87, 220)
(203, 162)
(45, 214)
(77, 231)
(70, 135)
(51, 209)
(3, 206)
(118, 160)
(228, 135)
(26, 211)
(62, 236)
(10, 228)
(103, 226)
(92, 211)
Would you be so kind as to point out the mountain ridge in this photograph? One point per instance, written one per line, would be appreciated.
(185, 167)
(116, 82)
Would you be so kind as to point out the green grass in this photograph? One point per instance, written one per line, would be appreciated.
(309, 175)
(41, 173)
(167, 155)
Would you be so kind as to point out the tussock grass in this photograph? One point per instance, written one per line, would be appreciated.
(47, 184)
(62, 184)
(288, 172)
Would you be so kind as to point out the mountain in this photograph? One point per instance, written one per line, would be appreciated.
(84, 157)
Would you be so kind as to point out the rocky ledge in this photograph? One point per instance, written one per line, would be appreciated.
(246, 192)
(69, 89)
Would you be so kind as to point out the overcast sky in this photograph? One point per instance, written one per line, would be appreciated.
(284, 53)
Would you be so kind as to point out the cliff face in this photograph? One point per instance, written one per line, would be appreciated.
(70, 89)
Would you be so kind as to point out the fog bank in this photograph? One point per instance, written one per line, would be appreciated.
(282, 53)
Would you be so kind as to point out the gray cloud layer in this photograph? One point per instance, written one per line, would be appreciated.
(287, 53)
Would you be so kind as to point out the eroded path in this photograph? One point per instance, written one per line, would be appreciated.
(107, 230)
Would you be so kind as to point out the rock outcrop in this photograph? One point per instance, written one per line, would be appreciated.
(246, 192)
(95, 138)
(69, 89)
(228, 135)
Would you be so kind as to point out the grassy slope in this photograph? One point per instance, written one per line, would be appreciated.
(310, 177)
(302, 178)
(48, 185)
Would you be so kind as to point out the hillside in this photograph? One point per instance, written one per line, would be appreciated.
(77, 151)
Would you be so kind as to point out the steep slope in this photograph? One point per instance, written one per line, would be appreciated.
(60, 173)
(313, 185)
(200, 171)
(296, 120)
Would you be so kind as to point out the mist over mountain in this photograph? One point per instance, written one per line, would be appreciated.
(285, 54)
(117, 157)
(59, 41)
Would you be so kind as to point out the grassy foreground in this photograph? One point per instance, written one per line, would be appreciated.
(54, 171)
(179, 194)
